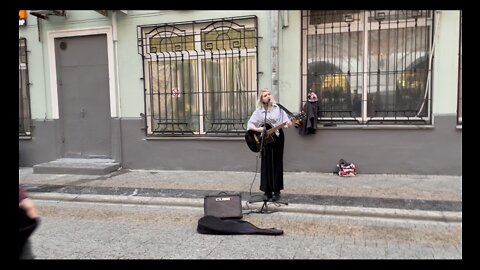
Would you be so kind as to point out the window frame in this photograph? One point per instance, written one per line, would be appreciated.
(25, 112)
(197, 62)
(460, 72)
(363, 24)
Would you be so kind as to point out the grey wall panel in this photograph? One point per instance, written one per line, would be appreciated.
(374, 151)
(139, 153)
(433, 151)
(42, 146)
(116, 139)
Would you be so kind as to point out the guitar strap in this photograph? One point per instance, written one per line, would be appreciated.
(285, 109)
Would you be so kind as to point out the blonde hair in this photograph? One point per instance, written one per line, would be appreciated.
(260, 94)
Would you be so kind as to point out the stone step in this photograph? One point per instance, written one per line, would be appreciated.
(90, 166)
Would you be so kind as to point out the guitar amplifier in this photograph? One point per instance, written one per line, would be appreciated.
(223, 205)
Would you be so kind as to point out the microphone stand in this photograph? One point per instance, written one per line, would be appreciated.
(265, 128)
(264, 132)
(262, 146)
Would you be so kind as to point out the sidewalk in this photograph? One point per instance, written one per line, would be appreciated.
(429, 197)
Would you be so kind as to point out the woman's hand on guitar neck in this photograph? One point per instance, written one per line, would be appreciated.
(288, 123)
(260, 129)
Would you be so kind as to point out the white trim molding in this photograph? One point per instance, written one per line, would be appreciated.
(53, 67)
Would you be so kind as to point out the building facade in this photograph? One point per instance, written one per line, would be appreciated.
(173, 90)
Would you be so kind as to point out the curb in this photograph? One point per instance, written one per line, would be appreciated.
(444, 216)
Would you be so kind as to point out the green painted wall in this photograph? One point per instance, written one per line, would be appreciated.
(130, 64)
(36, 33)
(290, 55)
(37, 58)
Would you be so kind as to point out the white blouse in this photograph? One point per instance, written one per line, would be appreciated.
(275, 117)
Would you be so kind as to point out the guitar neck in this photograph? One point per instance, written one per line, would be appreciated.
(272, 130)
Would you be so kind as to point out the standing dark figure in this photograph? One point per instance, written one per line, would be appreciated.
(268, 111)
(29, 218)
(309, 126)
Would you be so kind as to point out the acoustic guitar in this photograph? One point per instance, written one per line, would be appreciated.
(254, 138)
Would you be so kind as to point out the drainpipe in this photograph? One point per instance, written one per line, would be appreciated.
(274, 49)
(285, 21)
(115, 57)
(117, 81)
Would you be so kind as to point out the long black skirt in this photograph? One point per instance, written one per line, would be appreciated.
(272, 165)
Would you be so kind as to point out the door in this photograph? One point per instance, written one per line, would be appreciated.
(83, 92)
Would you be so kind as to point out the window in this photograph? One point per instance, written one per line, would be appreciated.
(200, 77)
(24, 117)
(459, 105)
(368, 67)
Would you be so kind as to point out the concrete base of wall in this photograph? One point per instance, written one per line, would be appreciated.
(77, 166)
